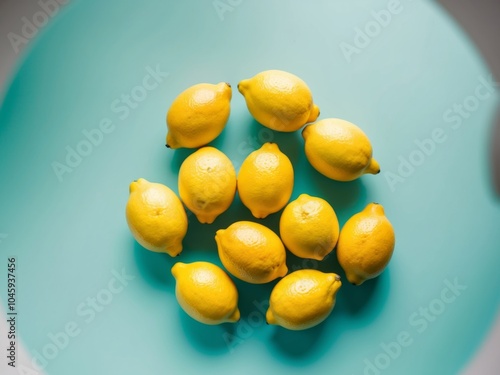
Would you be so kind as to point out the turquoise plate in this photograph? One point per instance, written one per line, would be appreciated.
(84, 116)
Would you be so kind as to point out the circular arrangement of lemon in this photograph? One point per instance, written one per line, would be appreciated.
(198, 115)
(279, 100)
(303, 299)
(206, 293)
(309, 227)
(339, 149)
(366, 244)
(250, 251)
(207, 183)
(156, 217)
(265, 180)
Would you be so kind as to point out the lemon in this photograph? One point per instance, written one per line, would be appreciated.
(251, 252)
(309, 227)
(366, 244)
(303, 299)
(207, 183)
(198, 115)
(156, 217)
(206, 293)
(265, 180)
(339, 149)
(279, 100)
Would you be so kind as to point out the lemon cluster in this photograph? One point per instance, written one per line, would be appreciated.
(250, 251)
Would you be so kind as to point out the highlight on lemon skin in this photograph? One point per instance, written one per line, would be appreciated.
(251, 252)
(198, 115)
(206, 293)
(279, 100)
(366, 244)
(207, 183)
(339, 150)
(265, 180)
(156, 217)
(303, 299)
(309, 227)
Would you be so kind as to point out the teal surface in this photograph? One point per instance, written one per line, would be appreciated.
(69, 232)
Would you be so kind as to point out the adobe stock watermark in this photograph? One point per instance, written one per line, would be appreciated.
(418, 323)
(246, 327)
(453, 117)
(31, 26)
(121, 107)
(223, 6)
(364, 36)
(86, 312)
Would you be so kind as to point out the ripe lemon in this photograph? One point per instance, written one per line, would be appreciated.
(265, 180)
(251, 252)
(206, 293)
(198, 115)
(366, 244)
(303, 299)
(339, 149)
(279, 100)
(156, 217)
(207, 183)
(309, 227)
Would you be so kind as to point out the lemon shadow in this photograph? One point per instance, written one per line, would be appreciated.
(253, 299)
(154, 268)
(179, 155)
(346, 198)
(299, 346)
(305, 347)
(207, 339)
(366, 301)
(218, 142)
(290, 143)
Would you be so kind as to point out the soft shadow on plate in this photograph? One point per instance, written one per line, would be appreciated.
(307, 346)
(366, 301)
(154, 267)
(346, 198)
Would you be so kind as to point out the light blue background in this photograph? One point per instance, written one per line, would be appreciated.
(69, 236)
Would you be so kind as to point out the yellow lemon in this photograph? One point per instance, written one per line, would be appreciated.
(265, 180)
(309, 227)
(303, 299)
(279, 100)
(206, 293)
(339, 149)
(198, 115)
(366, 244)
(156, 217)
(207, 183)
(251, 252)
